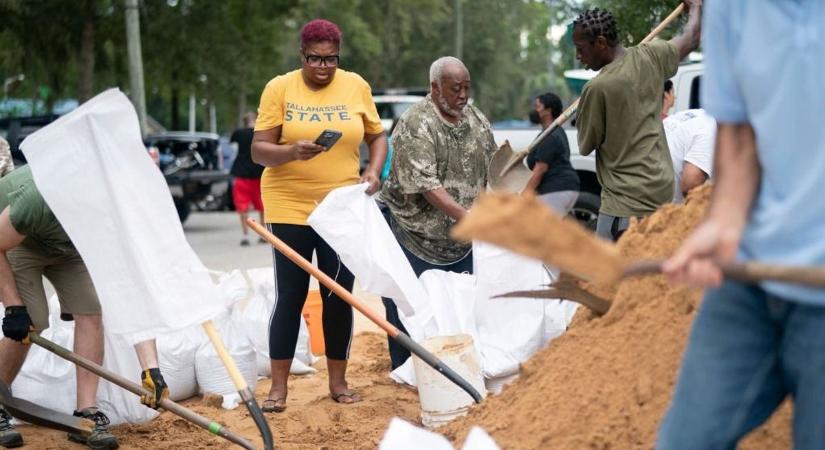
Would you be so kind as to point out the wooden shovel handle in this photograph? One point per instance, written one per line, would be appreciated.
(749, 272)
(323, 278)
(568, 113)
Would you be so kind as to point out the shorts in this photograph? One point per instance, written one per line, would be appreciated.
(246, 191)
(67, 273)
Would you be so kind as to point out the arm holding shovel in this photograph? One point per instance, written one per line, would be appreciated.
(716, 240)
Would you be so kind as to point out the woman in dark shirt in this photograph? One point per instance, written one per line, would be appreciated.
(553, 179)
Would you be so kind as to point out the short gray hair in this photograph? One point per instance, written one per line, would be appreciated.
(437, 67)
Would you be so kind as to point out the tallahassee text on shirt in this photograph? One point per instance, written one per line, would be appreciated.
(303, 113)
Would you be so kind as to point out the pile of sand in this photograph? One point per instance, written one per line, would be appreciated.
(607, 382)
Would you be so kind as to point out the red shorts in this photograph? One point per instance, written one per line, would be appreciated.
(246, 191)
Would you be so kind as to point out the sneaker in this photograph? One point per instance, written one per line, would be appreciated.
(9, 437)
(244, 242)
(100, 439)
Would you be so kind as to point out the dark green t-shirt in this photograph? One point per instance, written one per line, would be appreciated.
(620, 117)
(31, 216)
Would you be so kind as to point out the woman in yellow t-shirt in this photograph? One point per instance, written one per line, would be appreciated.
(296, 108)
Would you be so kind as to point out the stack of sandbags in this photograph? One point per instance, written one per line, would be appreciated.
(253, 316)
(50, 381)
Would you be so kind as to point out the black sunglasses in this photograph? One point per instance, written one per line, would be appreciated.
(318, 61)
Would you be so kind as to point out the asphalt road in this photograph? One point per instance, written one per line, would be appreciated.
(216, 237)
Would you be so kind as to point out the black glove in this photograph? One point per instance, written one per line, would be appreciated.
(158, 390)
(17, 323)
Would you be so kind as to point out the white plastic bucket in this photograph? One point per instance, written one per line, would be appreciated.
(441, 400)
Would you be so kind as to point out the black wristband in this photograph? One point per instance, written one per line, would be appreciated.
(16, 309)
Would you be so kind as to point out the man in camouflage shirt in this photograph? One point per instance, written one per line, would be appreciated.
(6, 161)
(441, 149)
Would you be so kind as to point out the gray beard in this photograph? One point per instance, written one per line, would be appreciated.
(446, 109)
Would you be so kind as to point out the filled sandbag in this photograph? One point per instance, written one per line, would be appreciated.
(50, 381)
(210, 371)
(176, 354)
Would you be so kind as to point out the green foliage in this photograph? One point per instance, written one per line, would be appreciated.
(225, 52)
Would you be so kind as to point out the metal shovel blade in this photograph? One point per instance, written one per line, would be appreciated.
(506, 172)
(38, 415)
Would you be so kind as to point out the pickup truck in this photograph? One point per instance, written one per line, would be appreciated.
(686, 87)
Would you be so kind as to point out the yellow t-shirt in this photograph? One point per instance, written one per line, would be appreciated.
(291, 191)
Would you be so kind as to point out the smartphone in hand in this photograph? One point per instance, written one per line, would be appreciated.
(328, 138)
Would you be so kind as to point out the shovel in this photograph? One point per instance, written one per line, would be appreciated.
(526, 226)
(169, 405)
(38, 415)
(394, 333)
(504, 159)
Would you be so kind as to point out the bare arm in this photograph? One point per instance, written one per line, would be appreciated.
(445, 203)
(689, 40)
(378, 155)
(147, 353)
(692, 177)
(267, 152)
(716, 240)
(535, 179)
(9, 238)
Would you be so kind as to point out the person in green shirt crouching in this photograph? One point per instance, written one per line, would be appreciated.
(34, 245)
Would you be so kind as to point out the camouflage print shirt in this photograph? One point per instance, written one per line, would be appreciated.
(428, 153)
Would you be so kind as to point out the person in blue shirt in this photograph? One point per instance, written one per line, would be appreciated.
(754, 345)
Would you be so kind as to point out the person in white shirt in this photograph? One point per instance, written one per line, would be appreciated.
(691, 136)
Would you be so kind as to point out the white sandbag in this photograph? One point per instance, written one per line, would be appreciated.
(176, 354)
(119, 404)
(47, 379)
(209, 369)
(402, 435)
(89, 165)
(253, 318)
(452, 304)
(50, 381)
(510, 329)
(351, 223)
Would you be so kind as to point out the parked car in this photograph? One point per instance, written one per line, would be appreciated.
(192, 163)
(391, 104)
(686, 84)
(15, 129)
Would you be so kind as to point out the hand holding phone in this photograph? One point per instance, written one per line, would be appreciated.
(304, 150)
(328, 138)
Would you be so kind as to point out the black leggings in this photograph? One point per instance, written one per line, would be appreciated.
(291, 287)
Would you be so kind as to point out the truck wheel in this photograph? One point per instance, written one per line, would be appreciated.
(184, 208)
(586, 209)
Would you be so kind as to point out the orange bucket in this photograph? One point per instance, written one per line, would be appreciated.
(312, 312)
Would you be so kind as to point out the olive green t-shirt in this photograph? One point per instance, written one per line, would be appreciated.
(620, 118)
(31, 216)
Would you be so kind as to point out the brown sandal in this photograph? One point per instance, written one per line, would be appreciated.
(351, 396)
(275, 405)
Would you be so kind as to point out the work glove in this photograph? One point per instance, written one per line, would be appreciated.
(17, 323)
(158, 390)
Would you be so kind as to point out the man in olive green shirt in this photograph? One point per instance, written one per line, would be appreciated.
(33, 244)
(620, 115)
(442, 148)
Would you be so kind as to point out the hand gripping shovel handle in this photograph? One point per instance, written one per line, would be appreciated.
(240, 384)
(394, 333)
(575, 105)
(169, 405)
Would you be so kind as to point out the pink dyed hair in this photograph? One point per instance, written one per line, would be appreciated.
(319, 30)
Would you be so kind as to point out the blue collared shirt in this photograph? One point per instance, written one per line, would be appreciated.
(765, 65)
